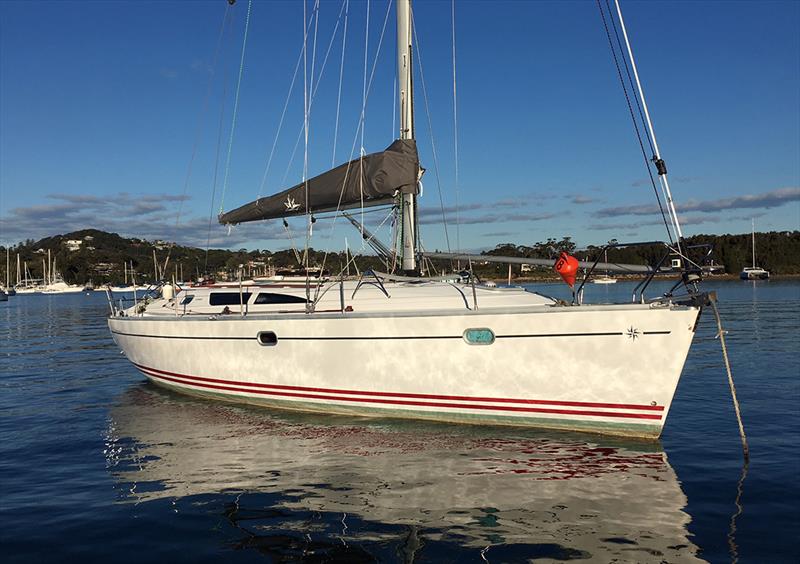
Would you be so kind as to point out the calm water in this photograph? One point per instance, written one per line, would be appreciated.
(96, 464)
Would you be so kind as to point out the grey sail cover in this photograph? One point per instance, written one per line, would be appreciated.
(373, 180)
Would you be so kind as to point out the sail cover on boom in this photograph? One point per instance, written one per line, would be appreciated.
(372, 180)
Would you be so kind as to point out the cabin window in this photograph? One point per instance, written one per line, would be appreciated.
(187, 299)
(479, 336)
(270, 298)
(227, 298)
(267, 338)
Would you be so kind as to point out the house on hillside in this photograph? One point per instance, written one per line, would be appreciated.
(73, 244)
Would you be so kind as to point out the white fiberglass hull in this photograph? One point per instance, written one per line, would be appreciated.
(611, 369)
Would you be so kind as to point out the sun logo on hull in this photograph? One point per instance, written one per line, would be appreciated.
(633, 333)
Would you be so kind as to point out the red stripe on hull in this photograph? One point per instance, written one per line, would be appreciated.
(408, 395)
(511, 408)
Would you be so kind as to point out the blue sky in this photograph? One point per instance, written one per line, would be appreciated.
(103, 104)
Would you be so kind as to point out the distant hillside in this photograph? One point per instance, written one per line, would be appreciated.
(97, 256)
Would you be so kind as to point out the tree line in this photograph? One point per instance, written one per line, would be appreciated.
(100, 257)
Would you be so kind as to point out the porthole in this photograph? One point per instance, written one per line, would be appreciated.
(479, 336)
(267, 338)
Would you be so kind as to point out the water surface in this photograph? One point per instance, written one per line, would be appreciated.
(97, 464)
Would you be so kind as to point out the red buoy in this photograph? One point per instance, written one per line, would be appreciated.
(567, 267)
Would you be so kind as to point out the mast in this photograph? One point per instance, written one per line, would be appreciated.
(406, 94)
(753, 221)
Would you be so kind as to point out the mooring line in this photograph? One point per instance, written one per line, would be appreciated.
(712, 299)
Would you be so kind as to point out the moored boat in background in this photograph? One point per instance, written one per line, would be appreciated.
(754, 272)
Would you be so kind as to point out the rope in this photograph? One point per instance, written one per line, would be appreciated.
(732, 547)
(291, 241)
(430, 132)
(633, 118)
(712, 298)
(235, 109)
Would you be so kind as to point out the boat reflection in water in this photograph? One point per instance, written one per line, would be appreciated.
(493, 492)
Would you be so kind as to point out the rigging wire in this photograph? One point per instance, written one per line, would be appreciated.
(235, 108)
(363, 124)
(216, 161)
(455, 133)
(305, 135)
(633, 118)
(657, 160)
(630, 79)
(199, 131)
(311, 105)
(283, 115)
(360, 125)
(430, 132)
(346, 6)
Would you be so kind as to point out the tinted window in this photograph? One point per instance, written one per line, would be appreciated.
(227, 298)
(269, 298)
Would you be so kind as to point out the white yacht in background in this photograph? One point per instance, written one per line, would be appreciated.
(50, 283)
(408, 346)
(754, 272)
(604, 279)
(9, 289)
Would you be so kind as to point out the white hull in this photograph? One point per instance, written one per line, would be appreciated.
(611, 369)
(57, 288)
(754, 273)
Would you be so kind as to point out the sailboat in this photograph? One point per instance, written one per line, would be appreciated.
(9, 289)
(404, 345)
(604, 278)
(754, 272)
